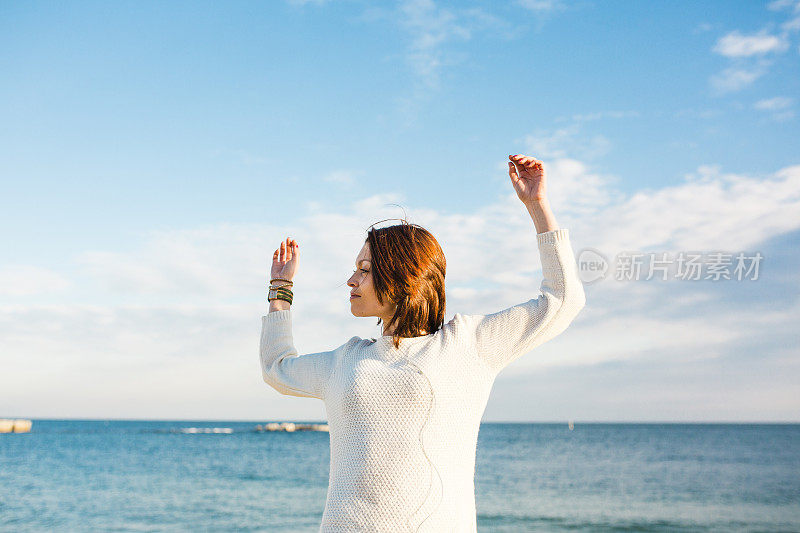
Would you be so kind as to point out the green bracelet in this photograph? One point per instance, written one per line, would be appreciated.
(280, 294)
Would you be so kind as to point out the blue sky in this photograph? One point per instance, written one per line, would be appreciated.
(152, 155)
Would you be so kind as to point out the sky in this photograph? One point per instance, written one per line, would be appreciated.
(154, 154)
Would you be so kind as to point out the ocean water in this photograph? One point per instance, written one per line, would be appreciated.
(89, 475)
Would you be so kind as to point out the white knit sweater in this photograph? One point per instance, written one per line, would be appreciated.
(404, 422)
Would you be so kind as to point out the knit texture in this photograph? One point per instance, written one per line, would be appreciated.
(404, 422)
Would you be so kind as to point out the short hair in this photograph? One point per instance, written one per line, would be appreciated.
(408, 270)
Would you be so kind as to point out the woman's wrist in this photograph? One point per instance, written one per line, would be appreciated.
(280, 294)
(279, 305)
(538, 201)
(541, 214)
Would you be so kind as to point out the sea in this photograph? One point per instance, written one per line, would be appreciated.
(145, 475)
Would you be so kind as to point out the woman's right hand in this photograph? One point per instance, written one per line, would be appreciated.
(284, 260)
(528, 178)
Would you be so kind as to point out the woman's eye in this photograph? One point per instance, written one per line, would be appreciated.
(364, 271)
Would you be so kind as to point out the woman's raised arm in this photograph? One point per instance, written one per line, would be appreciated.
(281, 366)
(504, 336)
(288, 372)
(284, 266)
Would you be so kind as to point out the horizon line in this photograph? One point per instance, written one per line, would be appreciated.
(562, 421)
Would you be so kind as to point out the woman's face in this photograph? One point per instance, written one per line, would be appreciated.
(360, 283)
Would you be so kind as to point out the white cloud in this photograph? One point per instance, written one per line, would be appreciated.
(567, 140)
(736, 78)
(774, 104)
(779, 106)
(791, 25)
(200, 264)
(710, 210)
(430, 27)
(778, 5)
(735, 44)
(179, 361)
(27, 280)
(542, 5)
(434, 33)
(743, 48)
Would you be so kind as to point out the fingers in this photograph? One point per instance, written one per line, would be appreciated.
(286, 250)
(527, 162)
(512, 172)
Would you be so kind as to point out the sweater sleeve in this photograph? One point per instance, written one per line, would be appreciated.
(504, 336)
(287, 372)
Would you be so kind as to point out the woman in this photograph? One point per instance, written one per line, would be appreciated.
(404, 410)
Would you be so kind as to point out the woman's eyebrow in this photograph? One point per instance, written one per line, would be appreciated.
(362, 261)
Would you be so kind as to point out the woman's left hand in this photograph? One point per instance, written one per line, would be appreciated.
(528, 178)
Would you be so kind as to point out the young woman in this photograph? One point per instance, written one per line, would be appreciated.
(404, 410)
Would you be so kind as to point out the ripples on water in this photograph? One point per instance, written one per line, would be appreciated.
(72, 475)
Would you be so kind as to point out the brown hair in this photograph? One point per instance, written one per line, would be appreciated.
(408, 268)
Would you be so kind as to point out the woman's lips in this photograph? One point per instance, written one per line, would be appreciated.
(353, 297)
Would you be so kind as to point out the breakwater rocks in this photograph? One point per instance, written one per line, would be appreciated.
(291, 426)
(15, 425)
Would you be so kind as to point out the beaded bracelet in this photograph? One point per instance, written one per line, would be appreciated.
(280, 292)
